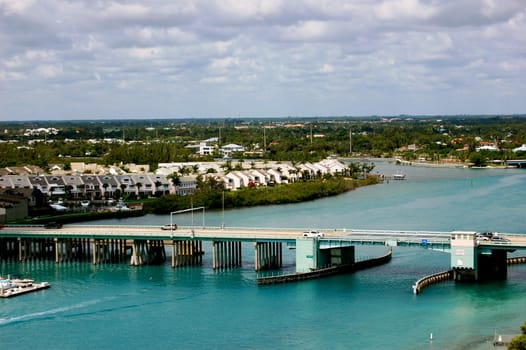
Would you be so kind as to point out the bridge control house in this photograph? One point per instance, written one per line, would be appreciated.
(472, 261)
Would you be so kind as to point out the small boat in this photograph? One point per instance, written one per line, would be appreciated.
(398, 176)
(121, 206)
(85, 203)
(13, 287)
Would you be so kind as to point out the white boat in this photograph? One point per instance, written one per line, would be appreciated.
(121, 206)
(13, 287)
(398, 176)
(58, 207)
(85, 203)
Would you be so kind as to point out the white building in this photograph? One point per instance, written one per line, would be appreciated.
(227, 150)
(260, 177)
(245, 178)
(487, 148)
(275, 176)
(232, 182)
(187, 185)
(333, 166)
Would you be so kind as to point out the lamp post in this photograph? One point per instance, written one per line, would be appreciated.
(171, 225)
(192, 211)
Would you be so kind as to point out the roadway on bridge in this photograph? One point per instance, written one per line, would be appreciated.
(238, 233)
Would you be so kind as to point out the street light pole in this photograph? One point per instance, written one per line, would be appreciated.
(171, 225)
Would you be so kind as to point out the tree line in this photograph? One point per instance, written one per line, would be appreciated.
(212, 195)
(290, 139)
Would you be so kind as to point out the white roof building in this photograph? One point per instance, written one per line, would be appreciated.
(227, 150)
(275, 176)
(487, 148)
(333, 165)
(231, 181)
(245, 178)
(260, 177)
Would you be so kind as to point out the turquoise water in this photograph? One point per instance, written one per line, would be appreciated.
(123, 307)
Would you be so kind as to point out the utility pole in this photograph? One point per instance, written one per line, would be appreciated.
(350, 142)
(264, 140)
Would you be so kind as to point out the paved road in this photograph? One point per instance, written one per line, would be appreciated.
(238, 233)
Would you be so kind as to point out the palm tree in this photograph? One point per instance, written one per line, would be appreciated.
(519, 342)
(157, 185)
(353, 169)
(105, 187)
(123, 189)
(138, 185)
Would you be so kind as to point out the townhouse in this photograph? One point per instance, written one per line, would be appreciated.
(90, 186)
(150, 184)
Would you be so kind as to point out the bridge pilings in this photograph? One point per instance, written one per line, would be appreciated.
(32, 249)
(268, 255)
(187, 253)
(147, 252)
(69, 249)
(9, 249)
(226, 254)
(108, 251)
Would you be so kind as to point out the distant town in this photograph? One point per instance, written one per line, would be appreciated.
(67, 162)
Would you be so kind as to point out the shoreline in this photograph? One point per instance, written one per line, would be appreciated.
(428, 164)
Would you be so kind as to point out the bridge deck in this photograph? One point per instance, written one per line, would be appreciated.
(332, 237)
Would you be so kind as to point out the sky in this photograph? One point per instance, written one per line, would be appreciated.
(107, 59)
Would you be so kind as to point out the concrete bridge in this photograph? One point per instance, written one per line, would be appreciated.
(471, 259)
(519, 163)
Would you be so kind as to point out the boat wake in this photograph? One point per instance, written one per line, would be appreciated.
(47, 314)
(66, 311)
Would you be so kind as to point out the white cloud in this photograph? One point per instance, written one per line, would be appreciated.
(403, 10)
(15, 6)
(145, 53)
(118, 11)
(273, 56)
(327, 68)
(305, 31)
(48, 71)
(215, 80)
(221, 65)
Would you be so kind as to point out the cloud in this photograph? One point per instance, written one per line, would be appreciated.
(269, 57)
(403, 10)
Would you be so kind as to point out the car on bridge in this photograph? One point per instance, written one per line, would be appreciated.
(313, 233)
(498, 239)
(169, 227)
(53, 224)
(485, 236)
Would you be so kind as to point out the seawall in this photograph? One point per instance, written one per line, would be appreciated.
(328, 271)
(448, 275)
